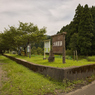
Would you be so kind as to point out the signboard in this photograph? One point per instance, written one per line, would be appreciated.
(28, 48)
(57, 44)
(47, 46)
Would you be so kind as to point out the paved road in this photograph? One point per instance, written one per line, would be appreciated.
(86, 90)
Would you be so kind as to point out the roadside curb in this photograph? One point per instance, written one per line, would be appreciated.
(81, 89)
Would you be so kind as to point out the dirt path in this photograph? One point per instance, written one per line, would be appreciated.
(1, 74)
(2, 77)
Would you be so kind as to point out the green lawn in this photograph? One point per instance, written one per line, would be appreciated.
(22, 81)
(57, 63)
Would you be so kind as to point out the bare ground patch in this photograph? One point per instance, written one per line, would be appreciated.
(1, 74)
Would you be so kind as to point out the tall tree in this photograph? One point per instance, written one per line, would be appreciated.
(73, 42)
(84, 25)
(77, 18)
(93, 39)
(85, 31)
(73, 26)
(26, 33)
(31, 33)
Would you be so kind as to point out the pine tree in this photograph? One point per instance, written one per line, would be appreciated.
(73, 41)
(85, 33)
(93, 39)
(76, 21)
(84, 25)
(77, 17)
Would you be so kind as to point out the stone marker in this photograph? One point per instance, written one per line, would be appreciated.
(51, 56)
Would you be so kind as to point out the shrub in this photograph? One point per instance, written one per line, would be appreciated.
(40, 51)
(69, 52)
(91, 58)
(34, 50)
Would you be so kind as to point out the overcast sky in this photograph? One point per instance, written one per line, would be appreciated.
(53, 14)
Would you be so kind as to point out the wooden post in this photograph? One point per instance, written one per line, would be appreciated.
(74, 55)
(44, 51)
(63, 48)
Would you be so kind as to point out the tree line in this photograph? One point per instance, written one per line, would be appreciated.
(21, 36)
(81, 31)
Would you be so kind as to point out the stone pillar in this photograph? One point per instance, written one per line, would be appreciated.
(51, 56)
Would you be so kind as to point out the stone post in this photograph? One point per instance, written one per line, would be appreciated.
(51, 56)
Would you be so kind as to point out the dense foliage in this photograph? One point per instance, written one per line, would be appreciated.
(81, 31)
(27, 33)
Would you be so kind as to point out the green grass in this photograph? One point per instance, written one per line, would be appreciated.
(91, 58)
(22, 81)
(57, 63)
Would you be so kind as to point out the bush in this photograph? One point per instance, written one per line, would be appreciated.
(34, 50)
(40, 51)
(69, 52)
(91, 58)
(69, 57)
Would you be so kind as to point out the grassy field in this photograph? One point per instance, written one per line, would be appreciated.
(22, 81)
(57, 63)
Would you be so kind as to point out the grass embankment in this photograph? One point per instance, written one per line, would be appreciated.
(56, 63)
(22, 81)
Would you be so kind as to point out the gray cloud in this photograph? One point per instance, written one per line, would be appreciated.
(53, 14)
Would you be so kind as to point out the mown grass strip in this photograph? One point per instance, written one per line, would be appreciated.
(57, 63)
